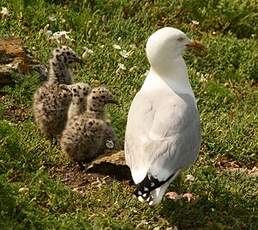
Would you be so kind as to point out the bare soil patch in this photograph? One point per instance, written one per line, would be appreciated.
(103, 170)
(234, 166)
(16, 113)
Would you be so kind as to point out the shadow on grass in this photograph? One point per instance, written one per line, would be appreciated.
(7, 204)
(117, 172)
(224, 212)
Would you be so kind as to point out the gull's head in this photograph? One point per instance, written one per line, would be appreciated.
(165, 45)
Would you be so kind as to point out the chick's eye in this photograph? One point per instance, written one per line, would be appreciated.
(180, 39)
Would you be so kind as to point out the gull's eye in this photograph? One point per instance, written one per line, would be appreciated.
(180, 39)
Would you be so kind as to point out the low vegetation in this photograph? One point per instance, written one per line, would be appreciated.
(225, 82)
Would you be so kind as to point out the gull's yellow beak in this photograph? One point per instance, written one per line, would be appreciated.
(195, 45)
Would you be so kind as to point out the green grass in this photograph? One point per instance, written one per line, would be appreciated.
(225, 81)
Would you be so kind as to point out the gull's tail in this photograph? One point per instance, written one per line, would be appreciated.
(152, 190)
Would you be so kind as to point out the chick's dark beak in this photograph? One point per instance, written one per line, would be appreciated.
(113, 101)
(79, 60)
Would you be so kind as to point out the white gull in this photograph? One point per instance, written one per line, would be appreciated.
(163, 127)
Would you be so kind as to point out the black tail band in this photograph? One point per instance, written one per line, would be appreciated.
(149, 184)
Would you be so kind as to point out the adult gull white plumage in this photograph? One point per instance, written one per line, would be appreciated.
(163, 127)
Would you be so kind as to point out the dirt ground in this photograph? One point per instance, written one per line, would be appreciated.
(103, 170)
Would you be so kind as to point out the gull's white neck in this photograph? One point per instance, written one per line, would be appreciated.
(173, 77)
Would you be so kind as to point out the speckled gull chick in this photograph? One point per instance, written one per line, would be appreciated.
(163, 127)
(51, 100)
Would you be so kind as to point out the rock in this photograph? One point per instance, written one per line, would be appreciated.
(15, 58)
(117, 158)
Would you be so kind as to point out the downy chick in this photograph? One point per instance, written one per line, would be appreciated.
(52, 99)
(98, 111)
